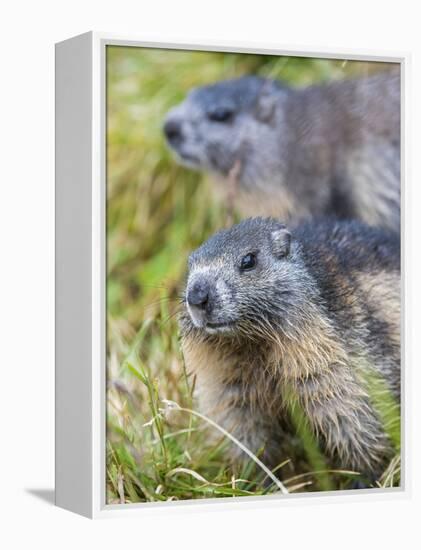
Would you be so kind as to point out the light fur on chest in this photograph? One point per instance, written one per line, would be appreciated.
(258, 377)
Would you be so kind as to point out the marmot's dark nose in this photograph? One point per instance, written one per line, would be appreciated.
(172, 129)
(198, 295)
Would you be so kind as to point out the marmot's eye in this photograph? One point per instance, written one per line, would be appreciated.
(221, 114)
(248, 262)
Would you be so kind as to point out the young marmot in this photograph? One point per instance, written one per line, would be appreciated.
(272, 317)
(298, 153)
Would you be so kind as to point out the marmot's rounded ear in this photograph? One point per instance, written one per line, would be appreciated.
(266, 103)
(281, 241)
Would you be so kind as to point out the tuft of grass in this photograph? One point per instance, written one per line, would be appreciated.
(157, 213)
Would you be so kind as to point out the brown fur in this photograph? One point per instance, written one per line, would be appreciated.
(314, 371)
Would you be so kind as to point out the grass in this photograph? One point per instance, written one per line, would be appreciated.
(159, 448)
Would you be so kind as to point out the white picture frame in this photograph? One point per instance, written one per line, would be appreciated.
(81, 280)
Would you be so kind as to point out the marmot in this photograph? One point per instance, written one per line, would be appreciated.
(272, 316)
(325, 150)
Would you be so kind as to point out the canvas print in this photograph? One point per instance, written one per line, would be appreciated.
(253, 275)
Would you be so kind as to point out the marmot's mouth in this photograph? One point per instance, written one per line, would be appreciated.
(187, 158)
(218, 326)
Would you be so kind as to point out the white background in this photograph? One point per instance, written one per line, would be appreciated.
(28, 32)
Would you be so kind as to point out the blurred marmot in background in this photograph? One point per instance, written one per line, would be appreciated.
(298, 153)
(273, 318)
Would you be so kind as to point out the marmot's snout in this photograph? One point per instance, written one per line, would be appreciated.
(180, 133)
(173, 132)
(199, 302)
(208, 302)
(198, 295)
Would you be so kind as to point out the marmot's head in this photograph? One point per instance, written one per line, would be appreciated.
(233, 120)
(247, 280)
